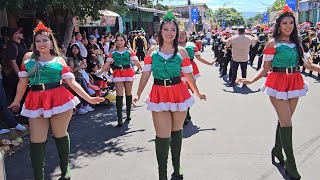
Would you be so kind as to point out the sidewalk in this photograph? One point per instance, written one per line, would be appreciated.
(12, 136)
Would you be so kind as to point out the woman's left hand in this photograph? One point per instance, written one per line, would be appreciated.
(202, 96)
(96, 100)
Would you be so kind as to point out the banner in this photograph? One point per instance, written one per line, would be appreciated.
(265, 18)
(291, 4)
(194, 15)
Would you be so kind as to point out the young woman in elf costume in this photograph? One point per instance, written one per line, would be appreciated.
(48, 103)
(169, 98)
(284, 84)
(123, 74)
(193, 53)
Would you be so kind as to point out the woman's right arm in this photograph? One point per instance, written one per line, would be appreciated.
(21, 89)
(146, 72)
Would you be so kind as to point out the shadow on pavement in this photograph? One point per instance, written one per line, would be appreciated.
(241, 90)
(190, 129)
(91, 135)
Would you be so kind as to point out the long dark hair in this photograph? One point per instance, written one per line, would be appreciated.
(293, 36)
(77, 56)
(175, 41)
(124, 38)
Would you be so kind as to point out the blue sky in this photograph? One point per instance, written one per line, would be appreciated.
(239, 5)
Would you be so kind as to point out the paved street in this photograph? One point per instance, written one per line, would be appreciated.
(230, 138)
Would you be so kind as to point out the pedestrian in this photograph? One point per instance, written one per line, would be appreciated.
(240, 53)
(44, 72)
(284, 84)
(194, 54)
(169, 98)
(140, 46)
(123, 74)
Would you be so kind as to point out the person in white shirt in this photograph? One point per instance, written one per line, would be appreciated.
(83, 49)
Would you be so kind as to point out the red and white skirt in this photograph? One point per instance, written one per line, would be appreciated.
(195, 71)
(174, 98)
(123, 75)
(285, 86)
(48, 102)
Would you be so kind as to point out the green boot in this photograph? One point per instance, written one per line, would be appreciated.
(128, 105)
(277, 149)
(162, 151)
(37, 154)
(119, 104)
(290, 164)
(63, 147)
(175, 145)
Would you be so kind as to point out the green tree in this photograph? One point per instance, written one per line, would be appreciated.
(67, 8)
(277, 5)
(230, 15)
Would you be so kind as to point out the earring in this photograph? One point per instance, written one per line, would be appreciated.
(51, 47)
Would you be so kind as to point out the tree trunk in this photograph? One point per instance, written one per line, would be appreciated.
(68, 31)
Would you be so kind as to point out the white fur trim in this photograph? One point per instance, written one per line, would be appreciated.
(68, 75)
(134, 58)
(109, 60)
(285, 95)
(48, 113)
(186, 69)
(146, 67)
(170, 106)
(197, 53)
(23, 74)
(123, 79)
(267, 57)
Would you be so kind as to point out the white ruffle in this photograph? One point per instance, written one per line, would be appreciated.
(197, 53)
(146, 67)
(109, 60)
(123, 79)
(134, 58)
(267, 57)
(68, 75)
(157, 107)
(285, 95)
(186, 69)
(23, 74)
(195, 77)
(48, 113)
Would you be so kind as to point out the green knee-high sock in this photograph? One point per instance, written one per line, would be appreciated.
(286, 140)
(176, 142)
(37, 154)
(119, 104)
(277, 149)
(128, 105)
(63, 147)
(162, 151)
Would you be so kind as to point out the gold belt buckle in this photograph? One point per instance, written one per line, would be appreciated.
(165, 83)
(43, 87)
(291, 70)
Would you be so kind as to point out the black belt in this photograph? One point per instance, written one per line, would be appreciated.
(167, 82)
(42, 87)
(122, 67)
(289, 70)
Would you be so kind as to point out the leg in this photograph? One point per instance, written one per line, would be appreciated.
(176, 142)
(244, 66)
(162, 122)
(119, 101)
(234, 66)
(38, 137)
(285, 109)
(59, 125)
(128, 91)
(259, 62)
(9, 117)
